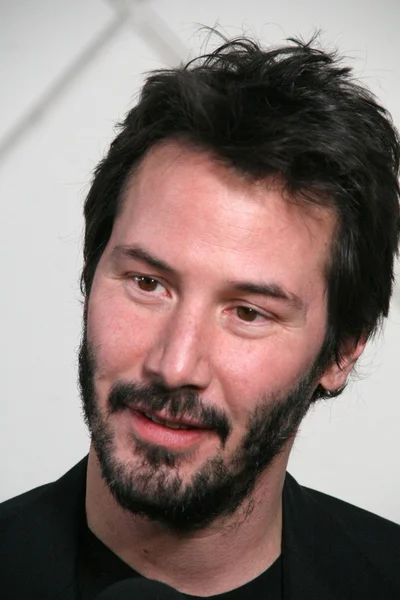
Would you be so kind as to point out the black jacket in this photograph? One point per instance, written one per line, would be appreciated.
(331, 550)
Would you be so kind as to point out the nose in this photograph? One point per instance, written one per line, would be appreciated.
(180, 356)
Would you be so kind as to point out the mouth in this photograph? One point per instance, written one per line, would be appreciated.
(171, 423)
(162, 430)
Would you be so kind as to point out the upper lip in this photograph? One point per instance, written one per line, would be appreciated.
(166, 417)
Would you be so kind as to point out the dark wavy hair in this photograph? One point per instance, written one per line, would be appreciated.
(294, 113)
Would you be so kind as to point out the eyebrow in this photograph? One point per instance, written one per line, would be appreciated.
(138, 253)
(270, 290)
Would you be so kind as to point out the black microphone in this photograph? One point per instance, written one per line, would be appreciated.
(140, 588)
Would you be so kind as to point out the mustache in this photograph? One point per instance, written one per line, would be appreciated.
(178, 403)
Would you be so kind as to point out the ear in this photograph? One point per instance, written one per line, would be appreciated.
(336, 374)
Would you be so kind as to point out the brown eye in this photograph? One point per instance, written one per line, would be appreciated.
(246, 314)
(147, 284)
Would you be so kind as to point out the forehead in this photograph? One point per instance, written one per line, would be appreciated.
(182, 198)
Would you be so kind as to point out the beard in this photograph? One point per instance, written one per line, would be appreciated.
(152, 487)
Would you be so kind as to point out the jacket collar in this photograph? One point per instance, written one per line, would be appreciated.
(320, 560)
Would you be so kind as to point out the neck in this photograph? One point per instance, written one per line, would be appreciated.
(250, 540)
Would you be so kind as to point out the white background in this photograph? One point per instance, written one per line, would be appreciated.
(69, 69)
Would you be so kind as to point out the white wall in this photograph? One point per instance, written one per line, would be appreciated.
(68, 71)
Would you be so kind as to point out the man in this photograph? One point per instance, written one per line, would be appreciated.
(239, 248)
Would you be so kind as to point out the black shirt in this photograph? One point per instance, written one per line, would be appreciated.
(99, 568)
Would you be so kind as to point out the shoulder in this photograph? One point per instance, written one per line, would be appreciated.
(359, 523)
(39, 536)
(341, 539)
(11, 508)
(22, 520)
(37, 508)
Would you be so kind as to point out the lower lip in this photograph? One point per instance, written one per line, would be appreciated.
(179, 439)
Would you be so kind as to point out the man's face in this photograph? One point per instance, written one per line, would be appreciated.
(205, 319)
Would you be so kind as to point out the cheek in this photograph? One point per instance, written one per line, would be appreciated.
(270, 367)
(119, 335)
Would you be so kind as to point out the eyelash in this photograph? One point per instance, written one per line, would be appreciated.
(259, 316)
(138, 278)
